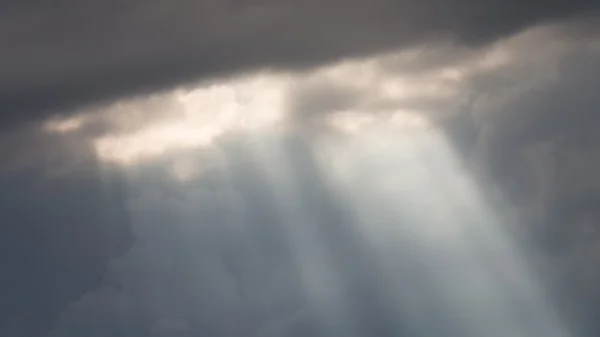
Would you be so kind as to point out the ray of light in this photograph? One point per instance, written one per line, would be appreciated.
(318, 272)
(416, 204)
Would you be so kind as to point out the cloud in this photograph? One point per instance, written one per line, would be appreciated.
(207, 258)
(537, 119)
(269, 242)
(59, 230)
(216, 258)
(56, 57)
(501, 104)
(402, 85)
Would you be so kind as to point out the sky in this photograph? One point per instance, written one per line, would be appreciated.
(294, 168)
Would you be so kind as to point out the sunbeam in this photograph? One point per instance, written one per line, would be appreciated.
(299, 168)
(304, 200)
(318, 272)
(419, 208)
(388, 232)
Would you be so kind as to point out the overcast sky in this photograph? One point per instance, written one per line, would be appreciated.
(228, 168)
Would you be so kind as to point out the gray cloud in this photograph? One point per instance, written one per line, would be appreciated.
(513, 107)
(58, 56)
(537, 120)
(62, 55)
(314, 100)
(530, 123)
(59, 231)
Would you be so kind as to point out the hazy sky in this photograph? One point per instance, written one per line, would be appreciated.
(228, 168)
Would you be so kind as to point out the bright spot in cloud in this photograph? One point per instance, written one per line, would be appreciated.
(185, 169)
(64, 125)
(195, 118)
(203, 115)
(378, 89)
(356, 122)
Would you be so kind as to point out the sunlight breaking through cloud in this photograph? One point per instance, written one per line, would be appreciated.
(318, 272)
(337, 197)
(346, 96)
(411, 224)
(204, 114)
(415, 203)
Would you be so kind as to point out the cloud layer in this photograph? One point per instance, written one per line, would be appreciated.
(60, 55)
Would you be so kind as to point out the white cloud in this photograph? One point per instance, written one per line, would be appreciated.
(201, 116)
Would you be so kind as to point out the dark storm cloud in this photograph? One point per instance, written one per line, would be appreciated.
(66, 53)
